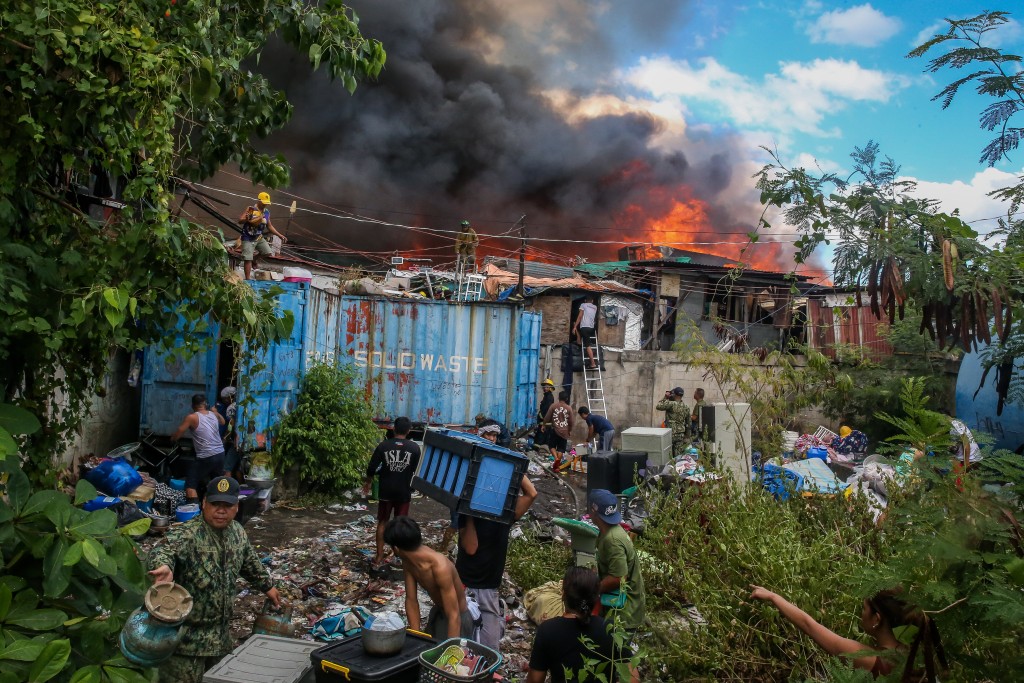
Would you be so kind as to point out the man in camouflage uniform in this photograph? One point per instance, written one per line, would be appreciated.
(677, 418)
(206, 556)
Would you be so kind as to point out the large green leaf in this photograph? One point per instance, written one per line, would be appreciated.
(56, 574)
(74, 554)
(6, 513)
(13, 583)
(5, 601)
(119, 674)
(17, 420)
(87, 674)
(123, 552)
(51, 661)
(43, 500)
(137, 528)
(84, 491)
(8, 446)
(91, 550)
(23, 650)
(18, 489)
(24, 602)
(96, 523)
(39, 620)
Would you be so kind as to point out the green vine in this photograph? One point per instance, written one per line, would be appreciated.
(133, 94)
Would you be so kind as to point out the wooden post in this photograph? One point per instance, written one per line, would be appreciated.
(522, 255)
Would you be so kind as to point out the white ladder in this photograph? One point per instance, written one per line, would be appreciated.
(472, 287)
(593, 383)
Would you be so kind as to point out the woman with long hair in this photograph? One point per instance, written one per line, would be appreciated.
(561, 644)
(880, 616)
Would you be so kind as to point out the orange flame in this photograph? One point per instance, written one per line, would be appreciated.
(684, 224)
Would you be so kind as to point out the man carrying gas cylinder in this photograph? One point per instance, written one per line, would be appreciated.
(206, 556)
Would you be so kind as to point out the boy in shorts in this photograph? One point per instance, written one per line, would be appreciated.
(394, 461)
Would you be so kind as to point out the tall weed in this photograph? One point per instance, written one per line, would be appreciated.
(708, 544)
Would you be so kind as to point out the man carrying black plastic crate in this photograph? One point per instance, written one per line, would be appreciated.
(483, 547)
(394, 461)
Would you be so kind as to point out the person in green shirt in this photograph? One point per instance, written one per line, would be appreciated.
(206, 556)
(617, 564)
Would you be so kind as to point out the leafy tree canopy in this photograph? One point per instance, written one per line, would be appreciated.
(895, 246)
(118, 99)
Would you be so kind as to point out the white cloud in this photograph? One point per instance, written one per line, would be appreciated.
(971, 197)
(929, 32)
(796, 99)
(860, 26)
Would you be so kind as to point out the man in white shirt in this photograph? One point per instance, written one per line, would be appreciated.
(584, 330)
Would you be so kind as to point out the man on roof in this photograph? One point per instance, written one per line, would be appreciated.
(255, 221)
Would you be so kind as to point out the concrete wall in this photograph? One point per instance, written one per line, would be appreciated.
(113, 419)
(635, 381)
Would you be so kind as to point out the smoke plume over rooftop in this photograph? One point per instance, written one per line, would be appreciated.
(489, 110)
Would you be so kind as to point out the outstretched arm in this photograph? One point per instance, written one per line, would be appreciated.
(273, 231)
(829, 641)
(189, 421)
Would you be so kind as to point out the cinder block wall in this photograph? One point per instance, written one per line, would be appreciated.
(634, 382)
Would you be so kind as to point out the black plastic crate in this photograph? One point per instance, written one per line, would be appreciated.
(470, 475)
(603, 472)
(632, 465)
(345, 660)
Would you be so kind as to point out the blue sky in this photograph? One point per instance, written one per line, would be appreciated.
(815, 79)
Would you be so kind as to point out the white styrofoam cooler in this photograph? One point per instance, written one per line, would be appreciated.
(265, 659)
(655, 441)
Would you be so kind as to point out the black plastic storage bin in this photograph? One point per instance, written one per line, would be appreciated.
(603, 472)
(345, 660)
(632, 464)
(470, 475)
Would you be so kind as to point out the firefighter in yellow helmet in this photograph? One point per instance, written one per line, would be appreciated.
(255, 221)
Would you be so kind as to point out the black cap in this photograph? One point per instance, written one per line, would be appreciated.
(678, 391)
(222, 490)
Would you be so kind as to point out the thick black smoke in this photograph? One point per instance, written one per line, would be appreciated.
(460, 125)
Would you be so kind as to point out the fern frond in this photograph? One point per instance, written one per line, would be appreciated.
(997, 113)
(1000, 146)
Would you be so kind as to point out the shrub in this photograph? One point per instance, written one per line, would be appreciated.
(532, 562)
(964, 563)
(330, 435)
(708, 544)
(70, 579)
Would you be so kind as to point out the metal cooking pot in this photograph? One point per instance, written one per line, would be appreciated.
(383, 643)
(160, 521)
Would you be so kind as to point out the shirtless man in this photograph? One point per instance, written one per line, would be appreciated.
(423, 566)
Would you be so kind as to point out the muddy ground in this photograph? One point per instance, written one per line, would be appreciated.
(321, 559)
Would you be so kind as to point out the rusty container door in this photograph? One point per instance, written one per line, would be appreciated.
(269, 381)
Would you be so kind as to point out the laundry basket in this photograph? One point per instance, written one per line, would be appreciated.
(431, 673)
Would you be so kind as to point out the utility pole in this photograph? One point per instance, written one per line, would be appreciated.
(522, 253)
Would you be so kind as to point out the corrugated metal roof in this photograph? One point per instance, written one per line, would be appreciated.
(603, 270)
(533, 268)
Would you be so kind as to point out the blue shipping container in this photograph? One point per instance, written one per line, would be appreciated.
(976, 405)
(434, 362)
(169, 380)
